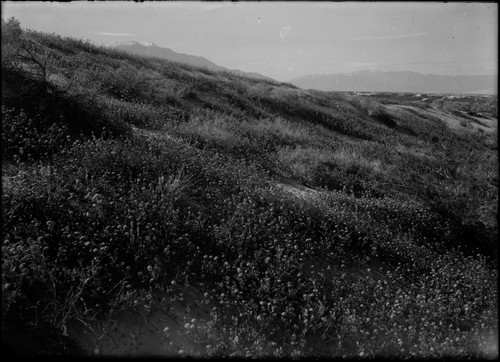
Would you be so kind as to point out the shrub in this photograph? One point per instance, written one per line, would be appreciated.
(26, 139)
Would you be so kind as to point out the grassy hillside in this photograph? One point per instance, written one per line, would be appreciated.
(155, 208)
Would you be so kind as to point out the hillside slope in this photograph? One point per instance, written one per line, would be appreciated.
(151, 207)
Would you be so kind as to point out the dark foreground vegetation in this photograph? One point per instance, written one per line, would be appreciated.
(301, 223)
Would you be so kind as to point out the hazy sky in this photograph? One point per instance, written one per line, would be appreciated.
(285, 40)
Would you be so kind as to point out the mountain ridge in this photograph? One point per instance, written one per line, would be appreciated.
(153, 50)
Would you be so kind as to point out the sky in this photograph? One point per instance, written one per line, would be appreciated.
(286, 40)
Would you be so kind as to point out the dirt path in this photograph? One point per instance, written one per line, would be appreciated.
(159, 328)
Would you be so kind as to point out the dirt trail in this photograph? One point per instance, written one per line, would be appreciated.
(297, 189)
(157, 329)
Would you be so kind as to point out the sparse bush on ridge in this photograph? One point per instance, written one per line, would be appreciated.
(137, 178)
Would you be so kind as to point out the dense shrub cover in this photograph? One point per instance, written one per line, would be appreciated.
(308, 223)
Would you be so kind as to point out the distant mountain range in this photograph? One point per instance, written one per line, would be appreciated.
(153, 50)
(399, 82)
